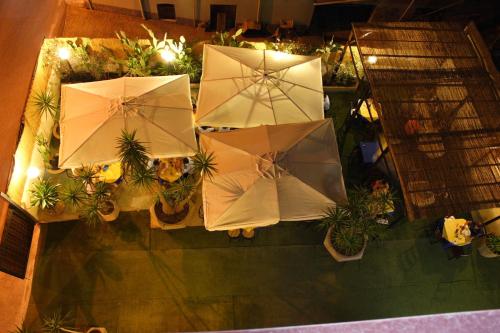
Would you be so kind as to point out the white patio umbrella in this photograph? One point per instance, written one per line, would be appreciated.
(269, 174)
(94, 114)
(247, 88)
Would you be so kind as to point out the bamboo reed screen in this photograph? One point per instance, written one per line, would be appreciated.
(440, 113)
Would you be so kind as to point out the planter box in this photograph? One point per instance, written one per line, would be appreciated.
(330, 89)
(484, 250)
(336, 255)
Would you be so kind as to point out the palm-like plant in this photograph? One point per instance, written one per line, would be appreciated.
(56, 323)
(45, 103)
(144, 177)
(357, 219)
(493, 243)
(43, 147)
(204, 164)
(44, 194)
(87, 175)
(133, 154)
(90, 213)
(74, 194)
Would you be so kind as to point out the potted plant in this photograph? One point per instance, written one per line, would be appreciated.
(99, 206)
(57, 323)
(51, 160)
(489, 246)
(45, 102)
(352, 225)
(45, 195)
(173, 203)
(74, 195)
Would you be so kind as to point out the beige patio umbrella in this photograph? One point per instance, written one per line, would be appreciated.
(247, 88)
(269, 174)
(94, 114)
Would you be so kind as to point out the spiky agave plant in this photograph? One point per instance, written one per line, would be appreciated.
(45, 103)
(57, 323)
(90, 213)
(180, 192)
(133, 153)
(44, 194)
(74, 194)
(87, 175)
(204, 164)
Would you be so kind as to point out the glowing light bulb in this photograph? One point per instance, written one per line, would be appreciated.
(279, 55)
(372, 59)
(167, 55)
(63, 53)
(33, 172)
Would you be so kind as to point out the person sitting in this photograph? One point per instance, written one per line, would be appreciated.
(326, 102)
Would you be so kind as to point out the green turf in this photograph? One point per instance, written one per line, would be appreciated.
(129, 278)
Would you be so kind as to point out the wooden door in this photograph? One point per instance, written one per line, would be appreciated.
(15, 243)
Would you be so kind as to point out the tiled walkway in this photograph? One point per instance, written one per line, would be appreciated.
(128, 278)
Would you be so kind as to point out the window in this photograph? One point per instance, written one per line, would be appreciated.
(166, 11)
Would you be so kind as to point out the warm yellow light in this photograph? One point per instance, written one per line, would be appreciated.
(167, 55)
(33, 172)
(372, 59)
(63, 53)
(278, 55)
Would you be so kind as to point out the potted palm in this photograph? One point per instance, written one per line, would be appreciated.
(46, 105)
(351, 226)
(99, 206)
(173, 203)
(50, 159)
(489, 246)
(45, 195)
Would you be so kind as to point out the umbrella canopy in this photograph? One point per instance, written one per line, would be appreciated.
(269, 174)
(247, 88)
(94, 114)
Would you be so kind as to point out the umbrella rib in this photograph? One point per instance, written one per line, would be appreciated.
(298, 107)
(272, 106)
(297, 84)
(163, 129)
(233, 58)
(231, 97)
(88, 138)
(156, 106)
(160, 86)
(230, 78)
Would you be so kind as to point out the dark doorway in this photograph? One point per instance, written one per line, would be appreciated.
(15, 244)
(222, 17)
(166, 11)
(332, 18)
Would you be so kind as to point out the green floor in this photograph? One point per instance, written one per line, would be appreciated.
(129, 278)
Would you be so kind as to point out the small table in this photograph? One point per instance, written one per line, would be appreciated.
(170, 169)
(451, 231)
(110, 173)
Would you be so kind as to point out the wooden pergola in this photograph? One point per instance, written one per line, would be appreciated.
(440, 113)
